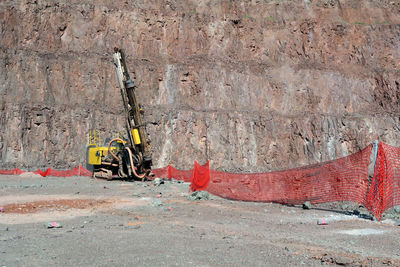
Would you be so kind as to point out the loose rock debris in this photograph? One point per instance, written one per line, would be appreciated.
(199, 195)
(156, 203)
(397, 209)
(157, 182)
(53, 225)
(307, 205)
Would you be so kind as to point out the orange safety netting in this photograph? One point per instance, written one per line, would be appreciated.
(171, 172)
(200, 177)
(15, 171)
(384, 191)
(77, 171)
(344, 179)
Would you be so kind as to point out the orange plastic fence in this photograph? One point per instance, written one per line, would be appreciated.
(344, 179)
(200, 177)
(384, 191)
(77, 171)
(15, 171)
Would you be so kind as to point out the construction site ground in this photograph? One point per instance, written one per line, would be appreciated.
(122, 223)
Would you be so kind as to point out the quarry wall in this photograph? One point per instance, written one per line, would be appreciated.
(249, 85)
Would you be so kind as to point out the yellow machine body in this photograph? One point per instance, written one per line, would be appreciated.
(95, 154)
(136, 136)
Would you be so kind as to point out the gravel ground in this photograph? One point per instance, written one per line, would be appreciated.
(124, 223)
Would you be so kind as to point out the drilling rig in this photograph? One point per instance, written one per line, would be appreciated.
(130, 157)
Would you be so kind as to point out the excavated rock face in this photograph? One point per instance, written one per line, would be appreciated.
(250, 85)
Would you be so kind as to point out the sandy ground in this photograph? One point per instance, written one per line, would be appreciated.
(122, 223)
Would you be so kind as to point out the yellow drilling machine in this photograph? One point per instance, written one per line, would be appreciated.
(124, 158)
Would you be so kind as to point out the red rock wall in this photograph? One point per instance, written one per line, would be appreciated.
(250, 85)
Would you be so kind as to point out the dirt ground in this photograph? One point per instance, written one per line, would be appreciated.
(123, 223)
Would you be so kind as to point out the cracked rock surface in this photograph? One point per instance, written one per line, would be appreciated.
(250, 85)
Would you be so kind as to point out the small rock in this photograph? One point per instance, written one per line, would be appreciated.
(321, 222)
(53, 225)
(343, 261)
(156, 202)
(397, 209)
(199, 195)
(307, 205)
(158, 181)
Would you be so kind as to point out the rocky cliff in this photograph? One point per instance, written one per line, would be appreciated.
(250, 85)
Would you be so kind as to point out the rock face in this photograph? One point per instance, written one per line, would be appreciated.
(250, 85)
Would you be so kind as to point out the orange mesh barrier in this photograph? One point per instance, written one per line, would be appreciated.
(344, 179)
(200, 177)
(171, 172)
(384, 191)
(184, 175)
(77, 171)
(161, 172)
(15, 171)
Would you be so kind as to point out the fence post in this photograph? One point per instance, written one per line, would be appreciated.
(375, 150)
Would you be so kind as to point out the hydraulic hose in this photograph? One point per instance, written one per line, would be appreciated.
(109, 145)
(130, 157)
(132, 166)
